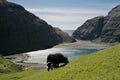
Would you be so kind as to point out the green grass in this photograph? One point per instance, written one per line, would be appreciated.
(102, 65)
(7, 66)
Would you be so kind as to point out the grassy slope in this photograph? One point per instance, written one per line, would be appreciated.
(7, 66)
(103, 65)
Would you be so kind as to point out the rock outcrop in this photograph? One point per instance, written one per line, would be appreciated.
(2, 1)
(105, 28)
(22, 31)
(90, 30)
(111, 29)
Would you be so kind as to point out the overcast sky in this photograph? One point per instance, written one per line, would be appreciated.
(67, 14)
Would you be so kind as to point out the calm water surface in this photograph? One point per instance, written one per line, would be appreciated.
(72, 53)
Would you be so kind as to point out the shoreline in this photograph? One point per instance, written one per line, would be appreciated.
(84, 45)
(20, 58)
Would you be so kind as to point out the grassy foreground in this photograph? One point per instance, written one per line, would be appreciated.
(102, 65)
(7, 66)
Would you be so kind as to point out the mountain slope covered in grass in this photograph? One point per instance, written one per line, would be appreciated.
(102, 65)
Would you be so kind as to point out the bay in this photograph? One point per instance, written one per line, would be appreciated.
(70, 32)
(41, 55)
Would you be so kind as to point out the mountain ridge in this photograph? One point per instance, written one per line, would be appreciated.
(22, 31)
(108, 28)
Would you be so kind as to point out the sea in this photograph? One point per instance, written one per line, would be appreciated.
(70, 32)
(40, 56)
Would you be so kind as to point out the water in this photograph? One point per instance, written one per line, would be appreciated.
(70, 32)
(72, 53)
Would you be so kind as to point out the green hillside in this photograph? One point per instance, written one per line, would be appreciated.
(7, 66)
(102, 65)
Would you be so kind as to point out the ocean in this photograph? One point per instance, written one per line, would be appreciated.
(70, 32)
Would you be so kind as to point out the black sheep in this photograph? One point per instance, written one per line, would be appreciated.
(53, 60)
(51, 65)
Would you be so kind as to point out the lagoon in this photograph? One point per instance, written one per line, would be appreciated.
(72, 53)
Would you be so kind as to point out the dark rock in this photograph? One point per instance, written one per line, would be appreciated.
(22, 31)
(106, 28)
(90, 30)
(2, 1)
(111, 29)
(114, 11)
(64, 36)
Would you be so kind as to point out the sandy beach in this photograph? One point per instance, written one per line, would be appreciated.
(20, 58)
(84, 45)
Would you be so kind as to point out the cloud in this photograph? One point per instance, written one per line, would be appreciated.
(66, 10)
(66, 18)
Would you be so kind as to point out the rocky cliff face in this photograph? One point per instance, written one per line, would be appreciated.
(111, 29)
(22, 31)
(106, 28)
(90, 30)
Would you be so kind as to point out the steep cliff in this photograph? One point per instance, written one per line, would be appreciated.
(111, 29)
(106, 28)
(22, 31)
(90, 30)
